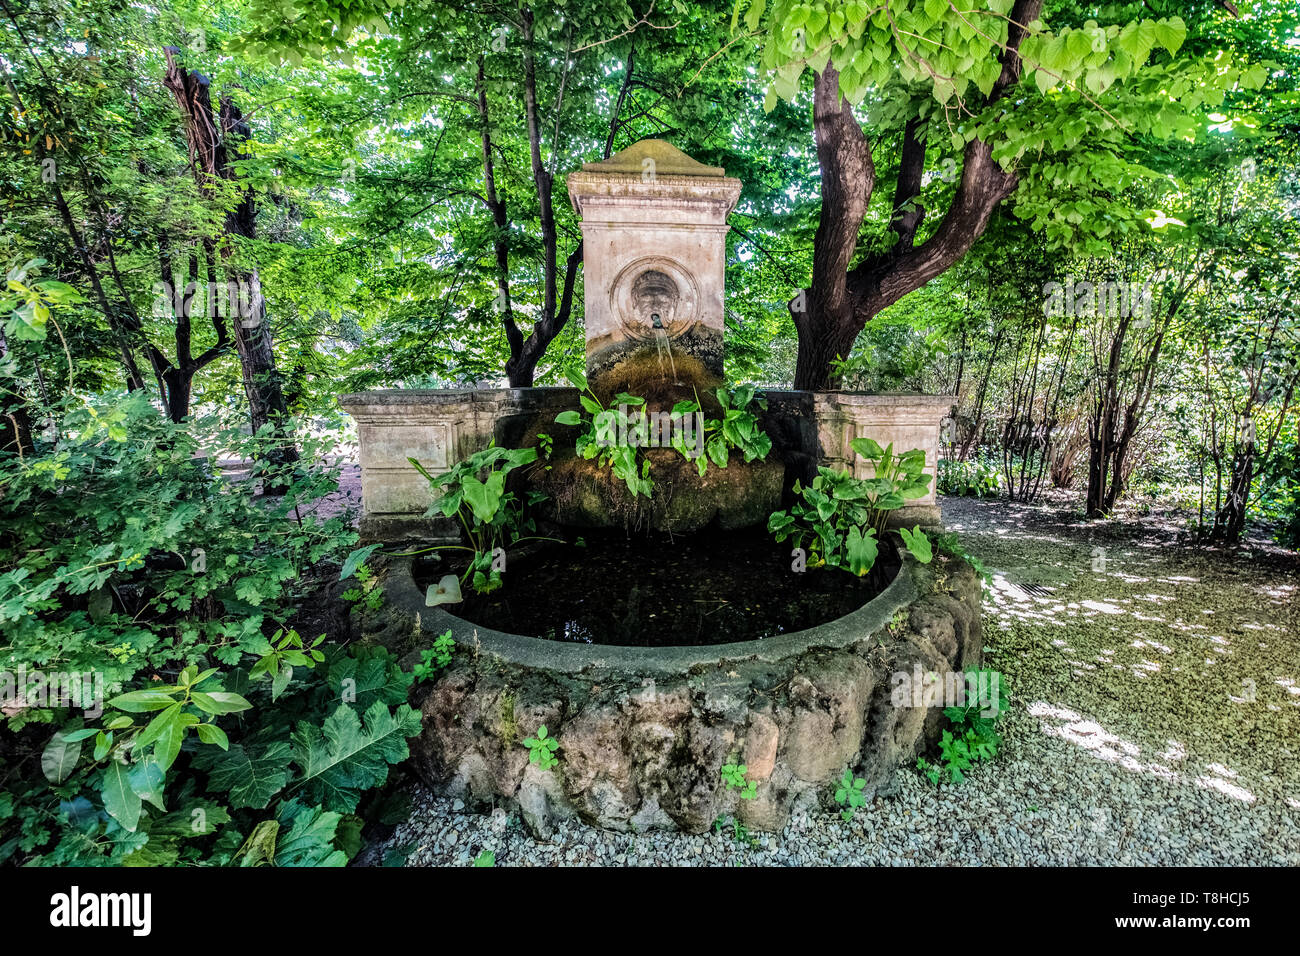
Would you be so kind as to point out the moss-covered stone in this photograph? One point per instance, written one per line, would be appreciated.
(585, 494)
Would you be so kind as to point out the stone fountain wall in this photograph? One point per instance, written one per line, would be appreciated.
(436, 427)
(811, 429)
(644, 732)
(440, 427)
(654, 225)
(654, 229)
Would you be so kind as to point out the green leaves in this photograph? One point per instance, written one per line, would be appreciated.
(311, 837)
(212, 734)
(434, 659)
(1171, 33)
(25, 304)
(345, 756)
(219, 702)
(917, 543)
(973, 735)
(733, 777)
(541, 749)
(840, 517)
(120, 799)
(356, 559)
(250, 775)
(474, 490)
(166, 732)
(484, 497)
(60, 756)
(142, 701)
(860, 550)
(868, 448)
(849, 794)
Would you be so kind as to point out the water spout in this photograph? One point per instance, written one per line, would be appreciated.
(662, 347)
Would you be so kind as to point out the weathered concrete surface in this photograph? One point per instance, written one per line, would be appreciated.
(644, 732)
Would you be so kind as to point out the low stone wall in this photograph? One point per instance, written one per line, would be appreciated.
(439, 427)
(644, 732)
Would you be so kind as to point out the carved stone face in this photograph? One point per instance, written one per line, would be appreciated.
(654, 300)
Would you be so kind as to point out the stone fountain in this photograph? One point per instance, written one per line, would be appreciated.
(645, 730)
(654, 225)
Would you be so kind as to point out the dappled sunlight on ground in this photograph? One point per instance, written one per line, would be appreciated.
(1171, 663)
(1083, 732)
(1088, 734)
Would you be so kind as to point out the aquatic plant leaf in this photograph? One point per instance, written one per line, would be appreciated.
(446, 591)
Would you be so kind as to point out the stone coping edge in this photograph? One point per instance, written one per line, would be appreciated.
(538, 653)
(426, 396)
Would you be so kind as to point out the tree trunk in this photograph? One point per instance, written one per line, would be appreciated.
(212, 153)
(838, 304)
(15, 422)
(1230, 521)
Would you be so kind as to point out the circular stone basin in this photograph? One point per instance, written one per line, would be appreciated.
(658, 591)
(644, 731)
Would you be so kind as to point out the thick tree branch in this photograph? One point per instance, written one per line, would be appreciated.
(848, 178)
(500, 240)
(908, 212)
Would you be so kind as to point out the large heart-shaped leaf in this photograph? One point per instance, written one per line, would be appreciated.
(482, 498)
(860, 550)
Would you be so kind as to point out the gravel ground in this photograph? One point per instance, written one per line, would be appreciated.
(1155, 707)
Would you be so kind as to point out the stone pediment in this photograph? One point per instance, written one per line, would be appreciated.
(666, 158)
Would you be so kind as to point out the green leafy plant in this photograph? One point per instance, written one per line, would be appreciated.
(127, 556)
(972, 735)
(849, 794)
(917, 543)
(125, 553)
(25, 302)
(434, 659)
(739, 832)
(838, 518)
(737, 430)
(367, 592)
(493, 518)
(541, 749)
(733, 777)
(286, 653)
(596, 436)
(485, 858)
(975, 477)
(949, 542)
(175, 787)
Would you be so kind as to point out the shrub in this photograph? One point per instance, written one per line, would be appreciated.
(973, 478)
(226, 737)
(838, 518)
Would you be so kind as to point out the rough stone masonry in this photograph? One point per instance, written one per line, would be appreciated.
(644, 732)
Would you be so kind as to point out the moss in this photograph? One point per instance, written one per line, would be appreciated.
(509, 727)
(585, 493)
(640, 369)
(641, 373)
